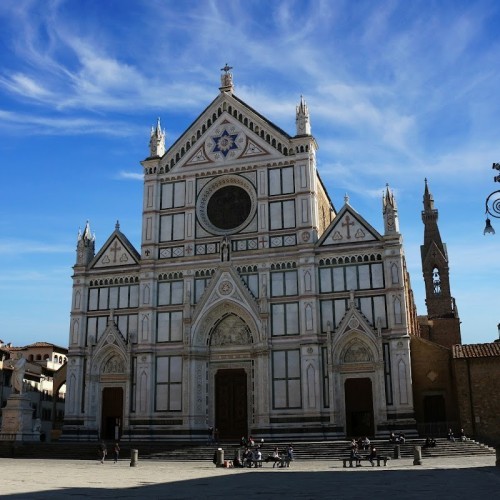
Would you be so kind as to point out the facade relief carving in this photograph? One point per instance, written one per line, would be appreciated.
(232, 330)
(114, 365)
(357, 353)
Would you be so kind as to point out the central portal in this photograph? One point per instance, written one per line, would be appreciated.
(231, 403)
(359, 407)
(112, 412)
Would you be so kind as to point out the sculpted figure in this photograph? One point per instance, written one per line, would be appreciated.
(18, 375)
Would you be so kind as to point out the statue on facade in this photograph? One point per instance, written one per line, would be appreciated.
(225, 249)
(18, 374)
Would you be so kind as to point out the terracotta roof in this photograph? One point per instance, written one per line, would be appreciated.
(489, 350)
(45, 344)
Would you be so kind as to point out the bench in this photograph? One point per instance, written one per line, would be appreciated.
(255, 463)
(378, 458)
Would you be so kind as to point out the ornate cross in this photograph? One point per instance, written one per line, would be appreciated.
(262, 242)
(115, 248)
(226, 68)
(347, 224)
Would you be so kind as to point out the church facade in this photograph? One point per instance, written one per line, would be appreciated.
(253, 305)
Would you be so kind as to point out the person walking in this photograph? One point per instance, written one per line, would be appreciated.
(103, 451)
(116, 452)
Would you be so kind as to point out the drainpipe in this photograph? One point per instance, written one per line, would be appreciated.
(473, 417)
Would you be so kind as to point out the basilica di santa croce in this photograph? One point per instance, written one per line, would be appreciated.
(253, 304)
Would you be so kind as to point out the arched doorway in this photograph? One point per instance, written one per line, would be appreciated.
(231, 403)
(112, 413)
(359, 407)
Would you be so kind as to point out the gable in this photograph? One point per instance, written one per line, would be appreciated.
(434, 255)
(227, 131)
(226, 285)
(348, 228)
(117, 251)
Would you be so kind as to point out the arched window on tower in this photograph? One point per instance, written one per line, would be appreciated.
(436, 281)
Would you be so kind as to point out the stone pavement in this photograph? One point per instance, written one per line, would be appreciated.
(455, 478)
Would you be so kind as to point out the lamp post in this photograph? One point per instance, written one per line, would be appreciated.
(492, 203)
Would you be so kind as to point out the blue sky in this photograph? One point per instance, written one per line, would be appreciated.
(398, 91)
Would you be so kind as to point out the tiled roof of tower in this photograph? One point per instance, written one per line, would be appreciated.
(492, 349)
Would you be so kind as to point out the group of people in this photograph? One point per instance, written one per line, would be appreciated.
(213, 435)
(429, 442)
(253, 456)
(461, 435)
(399, 438)
(281, 459)
(103, 452)
(362, 444)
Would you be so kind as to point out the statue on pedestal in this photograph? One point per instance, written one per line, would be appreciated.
(18, 375)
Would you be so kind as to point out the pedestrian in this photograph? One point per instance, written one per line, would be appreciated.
(116, 452)
(103, 451)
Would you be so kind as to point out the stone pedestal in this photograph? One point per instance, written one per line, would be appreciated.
(17, 420)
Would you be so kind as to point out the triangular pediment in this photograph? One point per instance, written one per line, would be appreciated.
(354, 320)
(355, 341)
(228, 131)
(116, 252)
(348, 228)
(111, 337)
(226, 285)
(110, 351)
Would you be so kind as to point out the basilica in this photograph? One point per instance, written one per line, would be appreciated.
(253, 305)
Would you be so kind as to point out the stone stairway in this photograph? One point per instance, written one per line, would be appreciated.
(320, 450)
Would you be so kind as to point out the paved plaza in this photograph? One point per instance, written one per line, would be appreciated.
(457, 478)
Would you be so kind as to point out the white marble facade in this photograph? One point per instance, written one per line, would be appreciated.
(253, 305)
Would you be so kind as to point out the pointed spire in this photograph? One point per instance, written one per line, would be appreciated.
(302, 120)
(346, 199)
(388, 199)
(157, 140)
(85, 247)
(390, 212)
(226, 79)
(87, 235)
(429, 213)
(428, 198)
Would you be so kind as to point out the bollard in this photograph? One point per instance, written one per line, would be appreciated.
(497, 463)
(397, 451)
(134, 455)
(220, 458)
(417, 455)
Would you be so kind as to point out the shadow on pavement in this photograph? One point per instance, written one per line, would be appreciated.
(480, 482)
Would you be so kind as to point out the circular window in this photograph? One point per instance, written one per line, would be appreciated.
(229, 207)
(226, 204)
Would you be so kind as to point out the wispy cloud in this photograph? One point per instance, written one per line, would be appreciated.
(15, 246)
(130, 176)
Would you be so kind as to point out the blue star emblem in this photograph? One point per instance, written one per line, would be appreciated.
(225, 143)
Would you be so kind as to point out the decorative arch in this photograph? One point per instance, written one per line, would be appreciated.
(356, 351)
(230, 330)
(207, 323)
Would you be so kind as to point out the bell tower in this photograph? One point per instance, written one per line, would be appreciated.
(442, 315)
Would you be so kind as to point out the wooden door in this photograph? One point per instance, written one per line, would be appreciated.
(359, 407)
(112, 413)
(231, 404)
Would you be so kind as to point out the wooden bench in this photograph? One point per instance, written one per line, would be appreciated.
(255, 463)
(378, 458)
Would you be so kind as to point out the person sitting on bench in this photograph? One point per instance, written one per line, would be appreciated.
(373, 454)
(355, 456)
